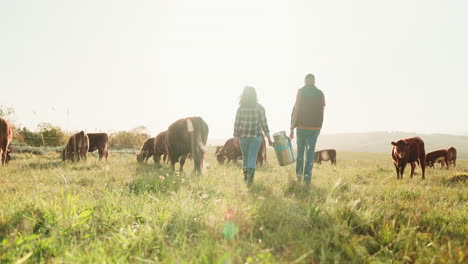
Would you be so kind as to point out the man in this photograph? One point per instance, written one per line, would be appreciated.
(307, 117)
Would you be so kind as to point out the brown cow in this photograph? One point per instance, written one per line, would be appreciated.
(99, 142)
(77, 146)
(6, 134)
(441, 156)
(160, 148)
(325, 155)
(146, 151)
(452, 156)
(409, 150)
(184, 136)
(231, 151)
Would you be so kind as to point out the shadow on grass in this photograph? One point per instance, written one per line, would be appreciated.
(44, 165)
(456, 180)
(151, 178)
(301, 191)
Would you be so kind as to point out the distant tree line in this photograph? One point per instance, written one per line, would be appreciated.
(48, 135)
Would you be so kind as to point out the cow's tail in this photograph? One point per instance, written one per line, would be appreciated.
(197, 142)
(106, 147)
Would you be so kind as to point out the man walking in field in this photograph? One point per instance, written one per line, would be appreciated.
(307, 117)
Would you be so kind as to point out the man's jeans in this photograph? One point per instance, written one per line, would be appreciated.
(306, 140)
(249, 148)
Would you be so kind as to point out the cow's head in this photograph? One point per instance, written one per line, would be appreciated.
(140, 157)
(401, 148)
(220, 157)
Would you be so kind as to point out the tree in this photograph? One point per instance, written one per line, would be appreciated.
(132, 139)
(47, 136)
(6, 112)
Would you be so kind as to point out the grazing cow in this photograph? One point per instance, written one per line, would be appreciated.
(452, 156)
(160, 148)
(146, 151)
(77, 146)
(325, 155)
(441, 156)
(184, 136)
(409, 150)
(99, 142)
(6, 134)
(231, 151)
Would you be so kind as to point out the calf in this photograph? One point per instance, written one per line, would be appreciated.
(325, 155)
(146, 151)
(441, 156)
(231, 151)
(408, 150)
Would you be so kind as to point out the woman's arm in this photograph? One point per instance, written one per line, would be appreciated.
(264, 124)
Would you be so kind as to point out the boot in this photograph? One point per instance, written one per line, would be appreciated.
(250, 176)
(245, 174)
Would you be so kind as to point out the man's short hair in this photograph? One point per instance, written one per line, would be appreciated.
(310, 77)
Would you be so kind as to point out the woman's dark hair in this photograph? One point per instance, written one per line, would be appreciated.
(248, 97)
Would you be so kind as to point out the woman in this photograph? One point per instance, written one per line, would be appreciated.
(250, 122)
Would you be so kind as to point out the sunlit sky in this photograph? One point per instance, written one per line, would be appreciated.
(112, 65)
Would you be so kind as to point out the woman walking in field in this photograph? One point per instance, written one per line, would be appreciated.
(248, 127)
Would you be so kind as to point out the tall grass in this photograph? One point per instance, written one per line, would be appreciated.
(121, 211)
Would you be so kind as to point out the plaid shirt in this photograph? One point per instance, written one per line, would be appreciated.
(250, 122)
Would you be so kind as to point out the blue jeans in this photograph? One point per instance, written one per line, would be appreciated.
(249, 148)
(306, 140)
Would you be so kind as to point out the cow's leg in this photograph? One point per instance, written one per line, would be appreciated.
(413, 166)
(182, 162)
(157, 159)
(447, 162)
(402, 170)
(3, 157)
(101, 153)
(422, 160)
(173, 160)
(397, 171)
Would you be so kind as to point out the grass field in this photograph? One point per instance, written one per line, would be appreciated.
(121, 211)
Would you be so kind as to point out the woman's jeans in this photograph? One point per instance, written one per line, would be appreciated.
(306, 140)
(249, 148)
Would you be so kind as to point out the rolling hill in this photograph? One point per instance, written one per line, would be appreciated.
(380, 142)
